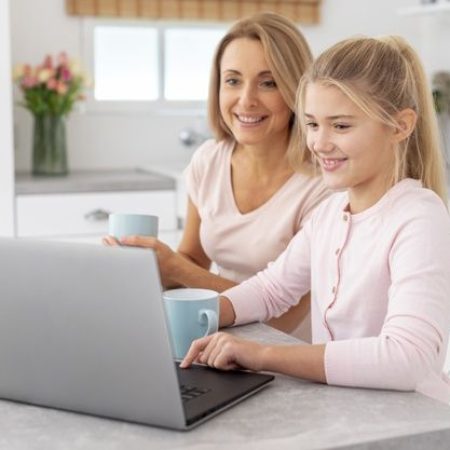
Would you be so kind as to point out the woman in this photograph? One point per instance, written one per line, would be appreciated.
(241, 182)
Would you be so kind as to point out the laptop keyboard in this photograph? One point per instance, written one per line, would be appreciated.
(189, 392)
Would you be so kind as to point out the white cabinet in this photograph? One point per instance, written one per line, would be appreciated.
(175, 170)
(77, 207)
(56, 215)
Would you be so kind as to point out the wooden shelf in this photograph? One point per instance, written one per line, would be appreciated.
(432, 8)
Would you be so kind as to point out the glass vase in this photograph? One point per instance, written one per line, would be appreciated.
(49, 145)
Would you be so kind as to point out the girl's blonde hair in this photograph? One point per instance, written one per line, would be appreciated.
(383, 76)
(287, 54)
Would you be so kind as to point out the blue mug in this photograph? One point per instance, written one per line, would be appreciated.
(123, 224)
(191, 314)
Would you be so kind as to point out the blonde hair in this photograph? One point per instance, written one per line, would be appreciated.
(383, 76)
(287, 54)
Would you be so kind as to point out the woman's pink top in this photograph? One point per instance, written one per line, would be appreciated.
(380, 283)
(243, 244)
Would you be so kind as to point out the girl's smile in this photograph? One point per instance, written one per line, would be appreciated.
(355, 151)
(329, 164)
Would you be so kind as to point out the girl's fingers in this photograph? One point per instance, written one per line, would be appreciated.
(225, 360)
(212, 344)
(196, 349)
(211, 357)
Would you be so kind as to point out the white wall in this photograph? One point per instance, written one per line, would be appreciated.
(103, 140)
(6, 143)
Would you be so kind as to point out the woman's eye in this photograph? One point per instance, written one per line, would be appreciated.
(311, 124)
(231, 81)
(269, 84)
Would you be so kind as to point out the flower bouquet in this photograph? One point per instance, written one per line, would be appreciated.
(50, 91)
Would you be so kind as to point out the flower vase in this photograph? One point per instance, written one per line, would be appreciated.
(49, 145)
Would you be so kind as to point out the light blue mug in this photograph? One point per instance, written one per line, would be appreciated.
(191, 313)
(123, 224)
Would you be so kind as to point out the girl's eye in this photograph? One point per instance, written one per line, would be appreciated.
(341, 126)
(311, 124)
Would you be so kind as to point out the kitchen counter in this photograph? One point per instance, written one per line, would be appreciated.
(289, 414)
(94, 181)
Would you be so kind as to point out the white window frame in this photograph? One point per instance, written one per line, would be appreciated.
(161, 106)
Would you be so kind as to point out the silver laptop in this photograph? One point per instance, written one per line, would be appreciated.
(82, 328)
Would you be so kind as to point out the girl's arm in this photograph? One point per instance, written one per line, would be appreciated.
(271, 292)
(410, 348)
(224, 351)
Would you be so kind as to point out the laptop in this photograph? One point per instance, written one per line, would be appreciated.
(83, 328)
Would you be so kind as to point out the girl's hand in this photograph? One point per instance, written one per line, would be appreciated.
(226, 352)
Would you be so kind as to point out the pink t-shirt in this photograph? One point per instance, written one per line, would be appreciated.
(380, 284)
(242, 244)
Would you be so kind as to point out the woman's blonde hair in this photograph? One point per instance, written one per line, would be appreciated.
(287, 54)
(383, 76)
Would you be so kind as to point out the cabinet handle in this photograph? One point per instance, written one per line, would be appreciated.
(97, 215)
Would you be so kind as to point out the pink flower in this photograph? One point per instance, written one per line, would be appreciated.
(29, 82)
(52, 84)
(61, 88)
(48, 62)
(66, 75)
(27, 70)
(63, 59)
(51, 87)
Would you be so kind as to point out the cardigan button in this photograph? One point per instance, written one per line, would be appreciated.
(333, 290)
(345, 217)
(337, 251)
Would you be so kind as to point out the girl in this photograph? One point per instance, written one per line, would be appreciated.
(377, 256)
(241, 180)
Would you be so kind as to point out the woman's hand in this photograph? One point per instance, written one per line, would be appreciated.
(110, 241)
(166, 256)
(226, 352)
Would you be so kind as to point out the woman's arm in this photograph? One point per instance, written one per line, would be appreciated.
(189, 265)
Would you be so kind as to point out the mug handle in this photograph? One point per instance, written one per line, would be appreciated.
(211, 317)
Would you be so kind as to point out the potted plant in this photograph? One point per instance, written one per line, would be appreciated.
(50, 91)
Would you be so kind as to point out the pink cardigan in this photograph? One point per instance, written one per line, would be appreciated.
(380, 283)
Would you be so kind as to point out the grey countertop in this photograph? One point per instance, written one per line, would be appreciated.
(290, 414)
(93, 181)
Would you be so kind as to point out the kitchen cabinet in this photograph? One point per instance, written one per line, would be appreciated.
(175, 170)
(77, 207)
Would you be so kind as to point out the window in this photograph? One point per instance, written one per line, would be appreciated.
(125, 63)
(188, 56)
(148, 66)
